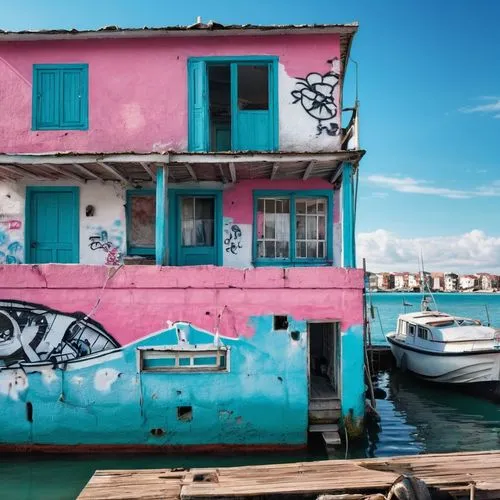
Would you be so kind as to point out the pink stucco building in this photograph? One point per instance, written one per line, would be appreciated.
(177, 236)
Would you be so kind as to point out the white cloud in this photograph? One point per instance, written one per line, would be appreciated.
(492, 107)
(470, 252)
(418, 186)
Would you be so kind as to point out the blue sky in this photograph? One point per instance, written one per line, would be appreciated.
(429, 74)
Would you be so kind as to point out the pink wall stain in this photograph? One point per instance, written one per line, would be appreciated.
(238, 201)
(137, 87)
(140, 300)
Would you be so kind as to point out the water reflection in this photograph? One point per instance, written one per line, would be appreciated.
(419, 417)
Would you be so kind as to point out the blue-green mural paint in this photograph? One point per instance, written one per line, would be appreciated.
(353, 385)
(105, 398)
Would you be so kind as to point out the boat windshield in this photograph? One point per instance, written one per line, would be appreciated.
(468, 322)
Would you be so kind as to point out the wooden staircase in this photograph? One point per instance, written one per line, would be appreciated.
(324, 415)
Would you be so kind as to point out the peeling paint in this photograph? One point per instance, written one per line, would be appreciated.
(105, 378)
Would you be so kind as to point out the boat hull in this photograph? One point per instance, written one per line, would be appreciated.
(451, 368)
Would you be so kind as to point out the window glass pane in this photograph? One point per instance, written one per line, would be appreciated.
(300, 207)
(321, 228)
(253, 87)
(310, 228)
(312, 250)
(143, 220)
(301, 227)
(270, 225)
(301, 249)
(260, 249)
(273, 228)
(270, 249)
(321, 250)
(312, 232)
(311, 206)
(197, 221)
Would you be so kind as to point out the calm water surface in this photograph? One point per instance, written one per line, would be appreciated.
(415, 418)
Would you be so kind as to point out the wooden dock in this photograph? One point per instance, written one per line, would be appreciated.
(463, 475)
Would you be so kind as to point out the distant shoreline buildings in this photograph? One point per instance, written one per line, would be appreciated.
(436, 282)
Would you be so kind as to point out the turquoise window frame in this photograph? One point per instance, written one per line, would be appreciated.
(84, 124)
(294, 261)
(131, 249)
(30, 190)
(174, 229)
(273, 92)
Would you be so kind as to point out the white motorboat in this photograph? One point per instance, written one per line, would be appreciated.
(443, 348)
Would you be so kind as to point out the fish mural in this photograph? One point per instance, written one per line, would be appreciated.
(33, 334)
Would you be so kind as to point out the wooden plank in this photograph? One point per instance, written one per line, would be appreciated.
(149, 170)
(344, 479)
(86, 171)
(112, 170)
(232, 171)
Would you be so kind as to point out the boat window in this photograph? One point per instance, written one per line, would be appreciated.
(411, 330)
(422, 333)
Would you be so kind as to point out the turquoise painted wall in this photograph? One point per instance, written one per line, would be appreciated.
(105, 400)
(353, 382)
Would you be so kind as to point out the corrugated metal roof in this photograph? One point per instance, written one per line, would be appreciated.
(346, 32)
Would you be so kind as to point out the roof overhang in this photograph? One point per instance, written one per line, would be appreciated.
(346, 33)
(133, 169)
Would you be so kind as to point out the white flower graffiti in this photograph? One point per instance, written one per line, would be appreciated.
(315, 94)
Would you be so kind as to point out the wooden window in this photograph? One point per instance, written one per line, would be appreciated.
(200, 359)
(141, 222)
(292, 228)
(60, 97)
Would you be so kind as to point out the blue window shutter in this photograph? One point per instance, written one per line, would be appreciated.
(60, 97)
(46, 99)
(74, 103)
(198, 106)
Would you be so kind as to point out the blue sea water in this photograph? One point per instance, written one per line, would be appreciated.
(415, 418)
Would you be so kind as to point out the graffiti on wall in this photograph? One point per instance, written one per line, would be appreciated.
(35, 335)
(109, 242)
(232, 237)
(315, 94)
(11, 249)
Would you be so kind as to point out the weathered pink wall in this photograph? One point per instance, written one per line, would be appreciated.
(138, 87)
(139, 300)
(238, 201)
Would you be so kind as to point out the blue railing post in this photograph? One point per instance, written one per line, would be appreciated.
(348, 243)
(161, 215)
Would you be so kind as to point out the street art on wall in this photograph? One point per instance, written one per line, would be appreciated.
(102, 240)
(232, 237)
(315, 94)
(32, 334)
(11, 249)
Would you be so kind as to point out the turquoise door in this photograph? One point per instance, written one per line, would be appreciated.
(52, 225)
(198, 229)
(253, 107)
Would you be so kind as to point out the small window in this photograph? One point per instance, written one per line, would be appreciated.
(422, 333)
(199, 359)
(60, 97)
(292, 228)
(280, 322)
(411, 330)
(141, 222)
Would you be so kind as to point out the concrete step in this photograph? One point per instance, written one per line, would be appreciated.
(324, 404)
(331, 439)
(324, 416)
(324, 428)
